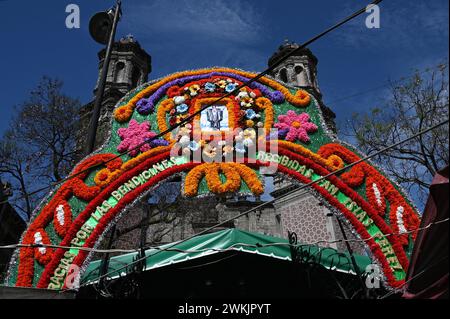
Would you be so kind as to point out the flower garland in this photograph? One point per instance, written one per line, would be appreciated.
(90, 208)
(300, 98)
(249, 177)
(233, 173)
(62, 218)
(329, 162)
(98, 200)
(215, 185)
(42, 254)
(165, 107)
(106, 176)
(396, 245)
(376, 195)
(74, 186)
(266, 105)
(364, 171)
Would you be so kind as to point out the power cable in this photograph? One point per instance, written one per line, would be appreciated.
(104, 251)
(413, 277)
(399, 80)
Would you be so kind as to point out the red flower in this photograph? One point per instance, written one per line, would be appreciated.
(174, 91)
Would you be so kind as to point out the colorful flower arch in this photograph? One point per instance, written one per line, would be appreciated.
(80, 210)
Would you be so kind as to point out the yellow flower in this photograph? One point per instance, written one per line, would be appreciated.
(222, 84)
(249, 133)
(249, 123)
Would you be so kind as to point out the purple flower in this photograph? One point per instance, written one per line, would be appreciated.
(158, 142)
(277, 135)
(276, 97)
(145, 106)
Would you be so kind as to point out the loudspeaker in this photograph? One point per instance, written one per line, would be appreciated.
(100, 26)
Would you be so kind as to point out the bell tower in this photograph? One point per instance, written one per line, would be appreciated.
(300, 71)
(129, 67)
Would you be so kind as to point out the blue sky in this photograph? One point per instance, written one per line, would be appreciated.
(187, 34)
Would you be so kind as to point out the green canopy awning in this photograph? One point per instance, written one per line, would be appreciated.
(221, 241)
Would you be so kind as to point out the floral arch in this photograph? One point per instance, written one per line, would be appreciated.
(79, 212)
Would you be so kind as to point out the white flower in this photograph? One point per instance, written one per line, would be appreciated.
(400, 223)
(179, 99)
(38, 241)
(241, 95)
(248, 135)
(184, 140)
(377, 193)
(60, 214)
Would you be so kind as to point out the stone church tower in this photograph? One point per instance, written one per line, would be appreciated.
(129, 67)
(300, 71)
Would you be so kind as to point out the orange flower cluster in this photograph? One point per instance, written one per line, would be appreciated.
(332, 162)
(233, 172)
(163, 109)
(301, 98)
(123, 113)
(107, 175)
(266, 105)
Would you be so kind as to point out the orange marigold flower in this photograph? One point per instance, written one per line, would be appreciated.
(301, 98)
(123, 113)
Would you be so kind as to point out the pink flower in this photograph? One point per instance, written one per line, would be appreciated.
(133, 136)
(298, 126)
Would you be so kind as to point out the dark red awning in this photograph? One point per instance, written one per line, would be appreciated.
(428, 271)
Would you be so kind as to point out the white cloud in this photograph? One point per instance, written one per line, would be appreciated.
(220, 20)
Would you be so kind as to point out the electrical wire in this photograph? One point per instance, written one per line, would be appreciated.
(399, 80)
(399, 289)
(105, 251)
(190, 117)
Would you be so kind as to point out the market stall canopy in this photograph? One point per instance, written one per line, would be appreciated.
(220, 242)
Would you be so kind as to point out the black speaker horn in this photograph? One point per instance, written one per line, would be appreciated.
(100, 26)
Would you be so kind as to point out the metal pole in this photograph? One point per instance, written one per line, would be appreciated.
(352, 257)
(92, 132)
